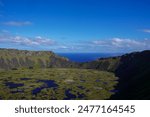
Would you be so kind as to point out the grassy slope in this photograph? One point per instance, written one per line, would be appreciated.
(133, 71)
(11, 58)
(103, 64)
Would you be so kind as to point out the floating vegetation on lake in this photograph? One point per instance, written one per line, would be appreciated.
(24, 78)
(47, 84)
(13, 85)
(56, 83)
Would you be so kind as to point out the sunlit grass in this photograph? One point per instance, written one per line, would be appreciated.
(95, 84)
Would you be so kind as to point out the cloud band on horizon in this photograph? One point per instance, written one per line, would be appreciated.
(146, 30)
(17, 23)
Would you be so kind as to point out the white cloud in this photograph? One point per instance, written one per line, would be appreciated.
(38, 37)
(26, 41)
(118, 42)
(146, 30)
(63, 47)
(23, 41)
(123, 44)
(44, 41)
(17, 23)
(40, 43)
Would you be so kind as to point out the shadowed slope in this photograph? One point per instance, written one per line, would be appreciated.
(133, 71)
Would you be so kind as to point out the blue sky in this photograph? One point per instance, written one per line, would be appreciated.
(75, 25)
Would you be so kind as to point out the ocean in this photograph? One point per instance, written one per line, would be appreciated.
(85, 57)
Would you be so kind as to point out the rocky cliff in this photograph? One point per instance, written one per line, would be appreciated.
(133, 71)
(13, 58)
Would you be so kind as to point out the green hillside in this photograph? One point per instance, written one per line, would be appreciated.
(120, 77)
(133, 71)
(12, 58)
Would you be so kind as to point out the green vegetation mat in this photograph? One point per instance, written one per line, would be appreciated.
(56, 83)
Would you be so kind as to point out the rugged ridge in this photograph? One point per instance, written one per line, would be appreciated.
(13, 58)
(133, 71)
